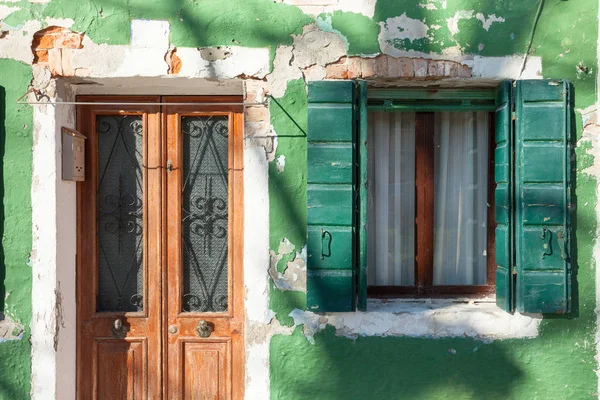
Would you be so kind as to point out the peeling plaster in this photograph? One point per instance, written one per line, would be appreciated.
(19, 45)
(487, 23)
(452, 22)
(10, 329)
(280, 163)
(402, 27)
(481, 320)
(316, 47)
(294, 275)
(5, 11)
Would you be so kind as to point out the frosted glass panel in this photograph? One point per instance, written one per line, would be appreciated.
(120, 213)
(205, 213)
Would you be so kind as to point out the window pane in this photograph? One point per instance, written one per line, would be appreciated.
(120, 213)
(391, 204)
(205, 213)
(461, 189)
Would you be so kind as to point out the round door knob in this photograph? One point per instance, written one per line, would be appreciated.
(204, 329)
(173, 329)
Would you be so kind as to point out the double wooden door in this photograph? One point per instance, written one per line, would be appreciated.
(159, 255)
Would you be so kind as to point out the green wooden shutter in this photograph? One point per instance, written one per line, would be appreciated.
(504, 195)
(542, 195)
(362, 194)
(331, 214)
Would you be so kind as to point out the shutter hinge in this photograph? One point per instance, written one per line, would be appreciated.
(513, 116)
(514, 271)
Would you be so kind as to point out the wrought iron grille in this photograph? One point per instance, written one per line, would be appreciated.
(205, 213)
(120, 213)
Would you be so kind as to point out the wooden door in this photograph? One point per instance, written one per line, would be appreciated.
(118, 255)
(203, 222)
(159, 260)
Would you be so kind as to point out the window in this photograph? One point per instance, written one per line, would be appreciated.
(430, 219)
(401, 196)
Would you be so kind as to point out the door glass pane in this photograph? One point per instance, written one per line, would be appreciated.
(205, 213)
(120, 213)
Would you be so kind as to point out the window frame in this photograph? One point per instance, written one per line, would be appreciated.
(424, 101)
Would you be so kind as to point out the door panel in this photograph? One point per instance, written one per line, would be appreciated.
(118, 274)
(121, 369)
(205, 370)
(205, 304)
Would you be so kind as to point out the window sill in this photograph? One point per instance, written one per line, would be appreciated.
(430, 318)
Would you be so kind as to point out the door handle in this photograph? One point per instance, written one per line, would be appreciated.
(118, 329)
(204, 329)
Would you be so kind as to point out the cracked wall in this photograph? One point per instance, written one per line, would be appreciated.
(274, 47)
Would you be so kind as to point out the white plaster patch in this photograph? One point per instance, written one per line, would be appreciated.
(280, 163)
(5, 11)
(452, 22)
(145, 56)
(294, 275)
(401, 27)
(63, 22)
(241, 61)
(19, 45)
(487, 23)
(506, 67)
(481, 320)
(282, 71)
(150, 34)
(364, 7)
(428, 6)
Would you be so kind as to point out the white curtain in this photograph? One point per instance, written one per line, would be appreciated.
(391, 204)
(460, 215)
(461, 180)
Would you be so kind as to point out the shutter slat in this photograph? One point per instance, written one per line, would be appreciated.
(331, 212)
(542, 196)
(503, 197)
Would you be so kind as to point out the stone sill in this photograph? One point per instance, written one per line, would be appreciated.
(428, 318)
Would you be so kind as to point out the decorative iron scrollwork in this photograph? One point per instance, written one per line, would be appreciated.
(205, 215)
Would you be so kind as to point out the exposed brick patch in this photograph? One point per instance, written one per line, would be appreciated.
(173, 61)
(54, 47)
(384, 66)
(56, 37)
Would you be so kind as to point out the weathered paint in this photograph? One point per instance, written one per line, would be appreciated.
(276, 46)
(15, 213)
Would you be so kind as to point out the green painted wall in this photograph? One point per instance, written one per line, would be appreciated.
(15, 214)
(558, 364)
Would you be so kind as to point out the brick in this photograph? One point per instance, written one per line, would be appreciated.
(315, 73)
(40, 56)
(435, 69)
(420, 67)
(394, 67)
(337, 71)
(451, 69)
(381, 65)
(408, 70)
(367, 67)
(354, 65)
(257, 114)
(255, 90)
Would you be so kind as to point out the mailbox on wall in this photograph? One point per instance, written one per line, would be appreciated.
(73, 155)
